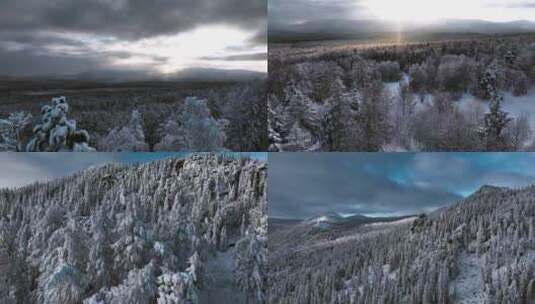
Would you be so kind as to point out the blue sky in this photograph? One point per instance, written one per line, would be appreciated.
(19, 169)
(386, 184)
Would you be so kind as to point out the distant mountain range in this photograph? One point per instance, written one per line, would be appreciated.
(330, 219)
(375, 29)
(479, 250)
(118, 75)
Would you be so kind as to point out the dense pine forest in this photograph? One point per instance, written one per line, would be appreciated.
(118, 117)
(480, 250)
(473, 94)
(187, 230)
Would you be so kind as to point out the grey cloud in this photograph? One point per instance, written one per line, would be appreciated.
(304, 185)
(260, 37)
(243, 57)
(282, 12)
(29, 63)
(37, 38)
(25, 54)
(33, 61)
(129, 19)
(33, 43)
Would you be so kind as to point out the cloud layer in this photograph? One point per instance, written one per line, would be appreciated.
(68, 38)
(283, 13)
(379, 184)
(130, 19)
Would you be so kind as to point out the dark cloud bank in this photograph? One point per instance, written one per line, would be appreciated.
(29, 27)
(304, 185)
(303, 20)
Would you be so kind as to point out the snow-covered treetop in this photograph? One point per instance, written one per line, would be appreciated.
(56, 132)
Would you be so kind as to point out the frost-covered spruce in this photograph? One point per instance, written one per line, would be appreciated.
(149, 233)
(11, 131)
(128, 138)
(192, 129)
(56, 133)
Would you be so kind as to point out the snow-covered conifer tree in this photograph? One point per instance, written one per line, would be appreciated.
(56, 133)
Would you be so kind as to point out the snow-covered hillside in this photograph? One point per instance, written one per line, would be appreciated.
(149, 233)
(481, 250)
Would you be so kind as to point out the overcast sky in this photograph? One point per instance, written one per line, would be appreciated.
(302, 185)
(298, 11)
(157, 37)
(19, 169)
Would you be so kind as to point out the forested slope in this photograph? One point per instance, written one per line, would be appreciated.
(481, 250)
(136, 234)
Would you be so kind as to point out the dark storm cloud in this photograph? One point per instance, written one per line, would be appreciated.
(29, 63)
(260, 37)
(35, 61)
(130, 19)
(305, 185)
(65, 37)
(243, 57)
(281, 12)
(37, 39)
(25, 54)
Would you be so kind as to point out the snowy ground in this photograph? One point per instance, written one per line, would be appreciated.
(220, 286)
(468, 285)
(515, 105)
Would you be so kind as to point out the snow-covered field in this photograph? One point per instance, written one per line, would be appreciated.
(516, 106)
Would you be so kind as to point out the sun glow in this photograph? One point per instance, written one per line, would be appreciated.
(419, 10)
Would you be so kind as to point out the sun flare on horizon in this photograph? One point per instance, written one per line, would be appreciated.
(425, 11)
(417, 11)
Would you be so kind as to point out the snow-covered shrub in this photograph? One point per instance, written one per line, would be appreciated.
(138, 288)
(128, 138)
(320, 80)
(442, 127)
(361, 74)
(65, 285)
(251, 259)
(496, 120)
(518, 132)
(518, 82)
(390, 71)
(11, 131)
(455, 73)
(56, 133)
(193, 129)
(181, 287)
(418, 78)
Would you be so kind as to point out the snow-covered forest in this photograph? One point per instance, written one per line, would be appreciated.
(459, 95)
(187, 230)
(480, 250)
(227, 118)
